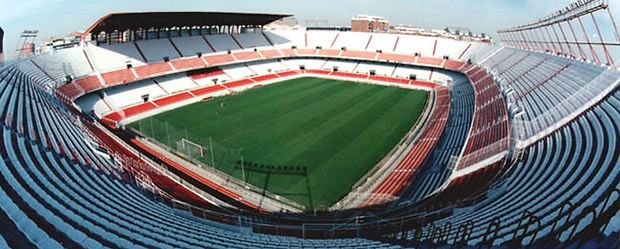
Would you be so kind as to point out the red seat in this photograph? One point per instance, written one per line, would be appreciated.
(219, 59)
(270, 54)
(306, 51)
(490, 117)
(238, 83)
(265, 77)
(329, 52)
(188, 63)
(89, 83)
(207, 90)
(359, 54)
(397, 179)
(151, 70)
(168, 100)
(396, 57)
(453, 65)
(205, 73)
(118, 77)
(246, 56)
(350, 75)
(429, 61)
(70, 91)
(137, 109)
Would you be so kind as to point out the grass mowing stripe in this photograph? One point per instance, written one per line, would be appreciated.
(254, 111)
(326, 130)
(338, 130)
(211, 111)
(266, 94)
(369, 141)
(289, 154)
(310, 118)
(355, 124)
(262, 118)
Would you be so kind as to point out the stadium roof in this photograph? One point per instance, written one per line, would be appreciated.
(133, 21)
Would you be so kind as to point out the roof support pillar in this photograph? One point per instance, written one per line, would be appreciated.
(613, 22)
(581, 52)
(585, 34)
(570, 48)
(610, 61)
(557, 38)
(555, 51)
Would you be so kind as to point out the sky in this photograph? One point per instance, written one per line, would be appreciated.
(54, 17)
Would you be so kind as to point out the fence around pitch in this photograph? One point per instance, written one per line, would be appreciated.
(217, 159)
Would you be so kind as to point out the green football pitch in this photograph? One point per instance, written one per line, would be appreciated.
(308, 140)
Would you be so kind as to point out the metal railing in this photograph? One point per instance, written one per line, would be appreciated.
(563, 112)
(567, 32)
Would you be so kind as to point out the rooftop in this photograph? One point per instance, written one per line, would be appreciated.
(145, 20)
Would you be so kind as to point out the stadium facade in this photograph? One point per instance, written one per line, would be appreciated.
(515, 147)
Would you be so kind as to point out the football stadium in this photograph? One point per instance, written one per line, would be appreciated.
(247, 129)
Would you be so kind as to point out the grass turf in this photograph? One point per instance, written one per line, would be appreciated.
(337, 130)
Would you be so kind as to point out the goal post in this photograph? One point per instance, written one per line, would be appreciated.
(191, 149)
